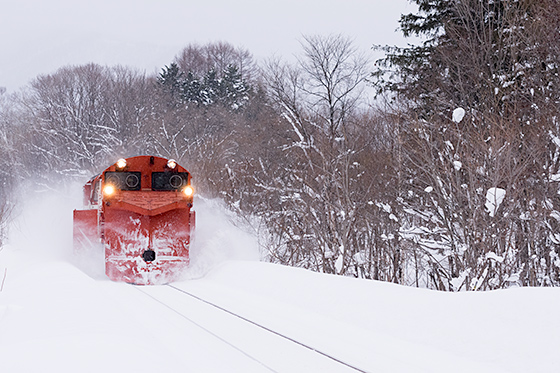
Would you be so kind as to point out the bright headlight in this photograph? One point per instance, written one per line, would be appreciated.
(171, 164)
(189, 191)
(109, 190)
(121, 163)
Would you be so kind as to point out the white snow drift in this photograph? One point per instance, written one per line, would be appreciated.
(55, 317)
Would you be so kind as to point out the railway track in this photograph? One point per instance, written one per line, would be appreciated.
(248, 337)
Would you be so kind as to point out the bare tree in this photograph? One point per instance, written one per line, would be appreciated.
(497, 60)
(85, 116)
(218, 56)
(8, 177)
(322, 198)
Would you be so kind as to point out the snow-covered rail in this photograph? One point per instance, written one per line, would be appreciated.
(281, 335)
(207, 330)
(274, 351)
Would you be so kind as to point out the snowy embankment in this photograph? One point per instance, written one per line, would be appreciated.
(56, 316)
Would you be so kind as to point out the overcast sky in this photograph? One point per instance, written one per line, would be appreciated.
(40, 36)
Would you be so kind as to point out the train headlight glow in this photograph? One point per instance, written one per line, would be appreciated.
(109, 190)
(189, 191)
(121, 163)
(171, 164)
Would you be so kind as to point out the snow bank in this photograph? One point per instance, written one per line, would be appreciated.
(55, 317)
(392, 328)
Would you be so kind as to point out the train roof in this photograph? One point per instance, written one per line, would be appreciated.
(146, 163)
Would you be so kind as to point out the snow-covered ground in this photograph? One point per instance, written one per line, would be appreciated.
(57, 316)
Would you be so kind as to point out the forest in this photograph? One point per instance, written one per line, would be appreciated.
(437, 166)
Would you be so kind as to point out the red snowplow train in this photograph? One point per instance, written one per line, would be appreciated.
(139, 211)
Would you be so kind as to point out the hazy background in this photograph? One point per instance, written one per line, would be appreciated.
(38, 36)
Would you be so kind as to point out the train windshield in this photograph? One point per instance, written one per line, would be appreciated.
(123, 180)
(169, 180)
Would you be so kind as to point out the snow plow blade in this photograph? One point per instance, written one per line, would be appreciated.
(138, 213)
(146, 245)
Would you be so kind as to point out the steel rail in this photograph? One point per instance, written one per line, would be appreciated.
(208, 331)
(325, 354)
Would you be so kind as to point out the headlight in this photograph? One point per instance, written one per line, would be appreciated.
(171, 164)
(189, 191)
(121, 163)
(109, 190)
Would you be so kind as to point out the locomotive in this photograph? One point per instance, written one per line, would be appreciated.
(139, 212)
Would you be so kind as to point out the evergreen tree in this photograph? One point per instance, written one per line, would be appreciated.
(210, 88)
(233, 90)
(171, 80)
(484, 55)
(227, 89)
(192, 89)
(498, 59)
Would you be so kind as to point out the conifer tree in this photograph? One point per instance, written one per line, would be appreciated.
(478, 54)
(498, 60)
(171, 79)
(233, 90)
(192, 89)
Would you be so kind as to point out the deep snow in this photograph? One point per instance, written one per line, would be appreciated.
(58, 316)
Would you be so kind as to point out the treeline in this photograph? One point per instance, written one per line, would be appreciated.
(448, 181)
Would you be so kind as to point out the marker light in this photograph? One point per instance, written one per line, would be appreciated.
(171, 164)
(189, 191)
(108, 190)
(121, 163)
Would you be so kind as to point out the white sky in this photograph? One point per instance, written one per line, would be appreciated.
(40, 36)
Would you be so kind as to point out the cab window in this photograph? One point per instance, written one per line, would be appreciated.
(169, 180)
(123, 180)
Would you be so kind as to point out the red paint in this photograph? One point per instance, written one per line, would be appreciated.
(145, 231)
